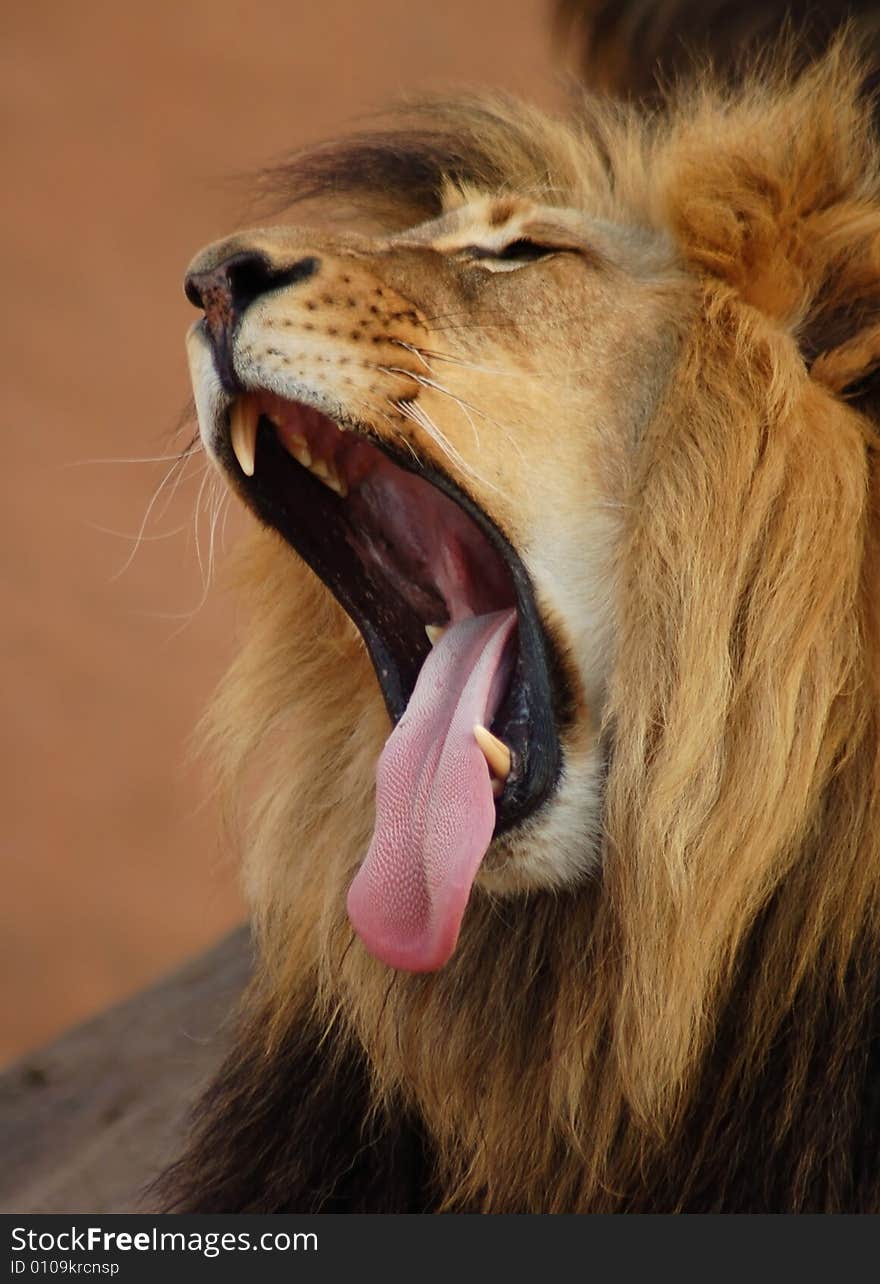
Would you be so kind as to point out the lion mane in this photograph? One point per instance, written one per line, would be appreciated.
(695, 1028)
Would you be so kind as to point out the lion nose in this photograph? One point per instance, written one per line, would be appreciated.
(225, 291)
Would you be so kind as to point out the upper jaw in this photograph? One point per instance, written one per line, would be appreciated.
(311, 470)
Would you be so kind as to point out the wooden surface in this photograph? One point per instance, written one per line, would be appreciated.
(87, 1122)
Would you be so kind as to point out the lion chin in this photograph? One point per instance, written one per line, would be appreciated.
(560, 687)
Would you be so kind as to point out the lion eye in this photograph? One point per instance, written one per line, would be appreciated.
(520, 251)
(524, 251)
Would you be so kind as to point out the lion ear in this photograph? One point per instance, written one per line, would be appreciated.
(778, 196)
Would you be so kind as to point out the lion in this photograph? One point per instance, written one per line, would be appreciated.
(560, 696)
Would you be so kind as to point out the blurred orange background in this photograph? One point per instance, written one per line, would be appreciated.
(122, 123)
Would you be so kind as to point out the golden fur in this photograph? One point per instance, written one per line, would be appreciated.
(598, 1048)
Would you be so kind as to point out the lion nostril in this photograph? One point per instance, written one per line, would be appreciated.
(252, 276)
(233, 285)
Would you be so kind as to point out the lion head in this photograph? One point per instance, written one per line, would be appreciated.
(562, 669)
(401, 408)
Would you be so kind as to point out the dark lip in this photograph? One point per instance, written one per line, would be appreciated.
(538, 700)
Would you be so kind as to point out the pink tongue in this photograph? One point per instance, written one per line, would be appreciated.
(435, 812)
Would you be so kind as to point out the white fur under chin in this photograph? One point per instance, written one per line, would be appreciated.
(559, 846)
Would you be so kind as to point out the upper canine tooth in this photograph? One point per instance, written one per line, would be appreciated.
(495, 752)
(243, 432)
(320, 469)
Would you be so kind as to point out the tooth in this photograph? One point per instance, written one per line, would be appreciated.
(320, 469)
(243, 432)
(335, 482)
(435, 632)
(301, 452)
(495, 752)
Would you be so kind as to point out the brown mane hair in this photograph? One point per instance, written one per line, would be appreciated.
(637, 48)
(697, 1028)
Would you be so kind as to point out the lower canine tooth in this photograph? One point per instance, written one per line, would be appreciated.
(243, 432)
(435, 632)
(495, 752)
(301, 452)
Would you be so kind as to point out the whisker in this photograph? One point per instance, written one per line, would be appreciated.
(227, 509)
(423, 353)
(417, 352)
(142, 539)
(134, 459)
(186, 617)
(375, 408)
(219, 494)
(412, 410)
(464, 406)
(174, 489)
(401, 437)
(463, 312)
(465, 329)
(206, 570)
(196, 528)
(432, 383)
(179, 464)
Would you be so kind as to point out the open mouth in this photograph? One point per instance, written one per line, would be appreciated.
(447, 612)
